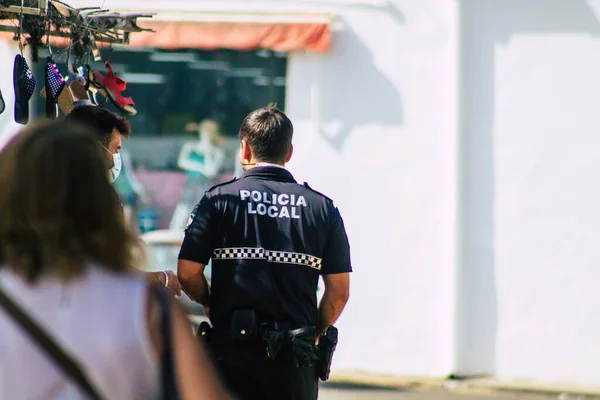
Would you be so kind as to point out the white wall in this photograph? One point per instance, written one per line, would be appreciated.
(374, 130)
(523, 226)
(530, 217)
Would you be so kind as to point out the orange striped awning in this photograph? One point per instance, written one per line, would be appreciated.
(232, 35)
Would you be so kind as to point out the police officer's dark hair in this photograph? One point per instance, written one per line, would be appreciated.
(59, 211)
(269, 132)
(101, 119)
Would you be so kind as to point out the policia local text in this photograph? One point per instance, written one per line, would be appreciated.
(274, 205)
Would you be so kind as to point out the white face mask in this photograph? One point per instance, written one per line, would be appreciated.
(114, 172)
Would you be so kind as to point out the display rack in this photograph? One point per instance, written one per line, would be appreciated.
(32, 21)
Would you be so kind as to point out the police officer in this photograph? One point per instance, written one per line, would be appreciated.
(269, 239)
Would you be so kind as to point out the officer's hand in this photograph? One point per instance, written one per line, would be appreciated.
(173, 283)
(321, 333)
(304, 348)
(304, 352)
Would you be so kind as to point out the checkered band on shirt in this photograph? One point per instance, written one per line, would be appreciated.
(239, 252)
(284, 257)
(294, 258)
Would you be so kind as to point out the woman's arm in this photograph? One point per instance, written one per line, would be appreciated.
(196, 376)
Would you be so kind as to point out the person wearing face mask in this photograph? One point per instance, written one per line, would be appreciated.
(110, 129)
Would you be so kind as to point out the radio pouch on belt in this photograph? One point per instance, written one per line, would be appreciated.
(243, 325)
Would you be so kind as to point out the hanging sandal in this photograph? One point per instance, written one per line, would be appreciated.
(80, 94)
(54, 88)
(94, 86)
(66, 99)
(2, 103)
(113, 86)
(24, 86)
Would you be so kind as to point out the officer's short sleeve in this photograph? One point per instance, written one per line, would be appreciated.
(336, 256)
(198, 242)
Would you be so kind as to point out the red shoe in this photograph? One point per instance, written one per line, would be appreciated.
(113, 86)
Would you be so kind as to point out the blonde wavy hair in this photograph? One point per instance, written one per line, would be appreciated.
(59, 211)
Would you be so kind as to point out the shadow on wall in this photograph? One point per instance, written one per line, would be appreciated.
(390, 7)
(351, 90)
(484, 25)
(368, 96)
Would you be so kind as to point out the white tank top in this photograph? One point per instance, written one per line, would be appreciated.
(100, 318)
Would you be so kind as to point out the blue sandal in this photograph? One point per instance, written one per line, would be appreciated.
(24, 85)
(2, 103)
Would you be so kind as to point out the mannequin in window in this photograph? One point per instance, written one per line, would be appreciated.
(202, 161)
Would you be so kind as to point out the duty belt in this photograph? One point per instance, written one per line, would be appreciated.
(274, 335)
(261, 329)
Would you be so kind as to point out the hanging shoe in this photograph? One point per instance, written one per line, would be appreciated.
(24, 86)
(66, 100)
(128, 23)
(95, 87)
(113, 86)
(2, 103)
(80, 94)
(79, 90)
(54, 85)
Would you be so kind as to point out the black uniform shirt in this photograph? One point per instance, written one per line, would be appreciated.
(269, 239)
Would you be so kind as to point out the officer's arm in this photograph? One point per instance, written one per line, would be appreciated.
(335, 271)
(335, 297)
(192, 280)
(196, 251)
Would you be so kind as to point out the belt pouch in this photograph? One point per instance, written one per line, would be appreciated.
(243, 325)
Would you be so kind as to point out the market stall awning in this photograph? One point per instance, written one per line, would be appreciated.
(208, 25)
(235, 35)
(233, 24)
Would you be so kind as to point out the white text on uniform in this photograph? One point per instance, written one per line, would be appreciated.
(275, 205)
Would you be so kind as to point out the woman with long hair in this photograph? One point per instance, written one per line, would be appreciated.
(67, 260)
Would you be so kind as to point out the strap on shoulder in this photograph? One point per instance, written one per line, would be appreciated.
(169, 382)
(69, 366)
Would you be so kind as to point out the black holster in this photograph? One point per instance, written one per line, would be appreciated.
(300, 341)
(326, 348)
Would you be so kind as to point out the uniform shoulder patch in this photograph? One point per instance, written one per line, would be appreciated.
(222, 184)
(190, 220)
(317, 192)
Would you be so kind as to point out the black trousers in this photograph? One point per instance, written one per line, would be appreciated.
(249, 374)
